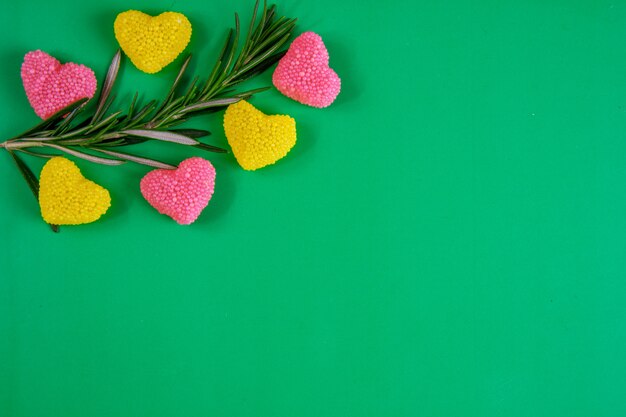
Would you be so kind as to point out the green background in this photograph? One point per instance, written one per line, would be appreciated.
(447, 239)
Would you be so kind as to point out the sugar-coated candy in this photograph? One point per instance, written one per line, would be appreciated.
(152, 43)
(258, 140)
(51, 86)
(303, 73)
(180, 193)
(66, 197)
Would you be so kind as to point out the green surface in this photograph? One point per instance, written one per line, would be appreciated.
(447, 239)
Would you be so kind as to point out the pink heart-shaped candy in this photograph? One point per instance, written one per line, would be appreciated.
(51, 86)
(180, 193)
(303, 73)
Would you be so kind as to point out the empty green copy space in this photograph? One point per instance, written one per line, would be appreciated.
(448, 238)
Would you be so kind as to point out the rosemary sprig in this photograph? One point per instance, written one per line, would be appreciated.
(93, 137)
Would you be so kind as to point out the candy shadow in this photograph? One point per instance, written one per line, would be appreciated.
(224, 193)
(121, 181)
(294, 160)
(342, 61)
(307, 136)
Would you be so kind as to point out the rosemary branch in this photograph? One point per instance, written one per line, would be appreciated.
(93, 137)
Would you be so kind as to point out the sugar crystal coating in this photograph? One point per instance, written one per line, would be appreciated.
(303, 73)
(51, 86)
(66, 197)
(257, 139)
(151, 43)
(180, 193)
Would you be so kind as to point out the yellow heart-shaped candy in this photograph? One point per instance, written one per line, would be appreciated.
(151, 43)
(257, 139)
(66, 197)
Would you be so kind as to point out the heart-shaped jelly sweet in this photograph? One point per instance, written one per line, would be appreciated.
(180, 193)
(66, 197)
(303, 73)
(51, 86)
(151, 43)
(257, 139)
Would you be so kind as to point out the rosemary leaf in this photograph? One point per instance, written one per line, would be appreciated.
(31, 180)
(136, 159)
(218, 64)
(246, 44)
(170, 94)
(129, 115)
(247, 94)
(141, 114)
(85, 156)
(212, 103)
(54, 119)
(232, 50)
(68, 121)
(192, 133)
(261, 25)
(28, 175)
(162, 135)
(107, 86)
(210, 148)
(108, 120)
(40, 155)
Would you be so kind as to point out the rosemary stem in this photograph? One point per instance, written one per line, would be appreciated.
(18, 145)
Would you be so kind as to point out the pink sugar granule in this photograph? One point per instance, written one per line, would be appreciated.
(51, 86)
(181, 193)
(303, 73)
